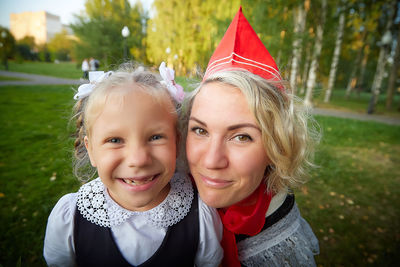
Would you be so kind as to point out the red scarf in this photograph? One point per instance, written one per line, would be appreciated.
(240, 219)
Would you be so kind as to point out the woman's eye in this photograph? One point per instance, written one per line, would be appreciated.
(114, 140)
(199, 131)
(156, 137)
(242, 138)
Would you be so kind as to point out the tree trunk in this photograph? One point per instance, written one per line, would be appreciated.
(278, 58)
(360, 81)
(335, 60)
(353, 79)
(299, 24)
(380, 67)
(305, 68)
(5, 63)
(393, 75)
(312, 75)
(380, 70)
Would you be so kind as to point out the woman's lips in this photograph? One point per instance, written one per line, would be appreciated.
(216, 183)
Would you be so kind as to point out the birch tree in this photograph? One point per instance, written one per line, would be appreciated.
(299, 25)
(335, 59)
(380, 67)
(364, 23)
(312, 75)
(393, 73)
(307, 60)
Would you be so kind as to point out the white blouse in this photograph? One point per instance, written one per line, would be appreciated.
(138, 235)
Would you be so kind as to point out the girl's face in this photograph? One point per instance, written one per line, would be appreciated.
(133, 146)
(224, 147)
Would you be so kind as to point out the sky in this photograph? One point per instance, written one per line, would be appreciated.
(63, 8)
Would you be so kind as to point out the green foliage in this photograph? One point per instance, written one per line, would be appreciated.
(26, 49)
(61, 46)
(99, 30)
(185, 33)
(7, 46)
(44, 54)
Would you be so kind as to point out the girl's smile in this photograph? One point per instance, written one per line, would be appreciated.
(139, 183)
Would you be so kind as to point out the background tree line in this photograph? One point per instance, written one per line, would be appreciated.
(318, 44)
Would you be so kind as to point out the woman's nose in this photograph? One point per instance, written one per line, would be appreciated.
(215, 156)
(138, 156)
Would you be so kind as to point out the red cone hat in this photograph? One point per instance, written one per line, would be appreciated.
(241, 48)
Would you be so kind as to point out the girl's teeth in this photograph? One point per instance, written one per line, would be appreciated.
(133, 182)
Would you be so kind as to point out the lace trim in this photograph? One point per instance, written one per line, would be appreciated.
(96, 205)
(289, 242)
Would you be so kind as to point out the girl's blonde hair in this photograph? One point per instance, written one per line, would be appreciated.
(288, 131)
(87, 109)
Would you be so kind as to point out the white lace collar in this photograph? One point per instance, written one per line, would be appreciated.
(96, 205)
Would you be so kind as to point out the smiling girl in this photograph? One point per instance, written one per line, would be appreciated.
(140, 211)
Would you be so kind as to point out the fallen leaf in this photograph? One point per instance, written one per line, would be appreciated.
(304, 189)
(53, 177)
(380, 230)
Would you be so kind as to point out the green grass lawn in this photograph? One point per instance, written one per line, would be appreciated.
(62, 70)
(351, 201)
(8, 78)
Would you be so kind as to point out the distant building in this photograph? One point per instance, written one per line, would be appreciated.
(41, 25)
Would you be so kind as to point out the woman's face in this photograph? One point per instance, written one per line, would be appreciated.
(224, 146)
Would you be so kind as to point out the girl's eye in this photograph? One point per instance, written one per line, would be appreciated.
(199, 131)
(243, 138)
(114, 140)
(156, 137)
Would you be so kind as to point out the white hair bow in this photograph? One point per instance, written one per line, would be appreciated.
(94, 77)
(174, 89)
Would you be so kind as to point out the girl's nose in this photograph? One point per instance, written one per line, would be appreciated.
(215, 156)
(138, 156)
